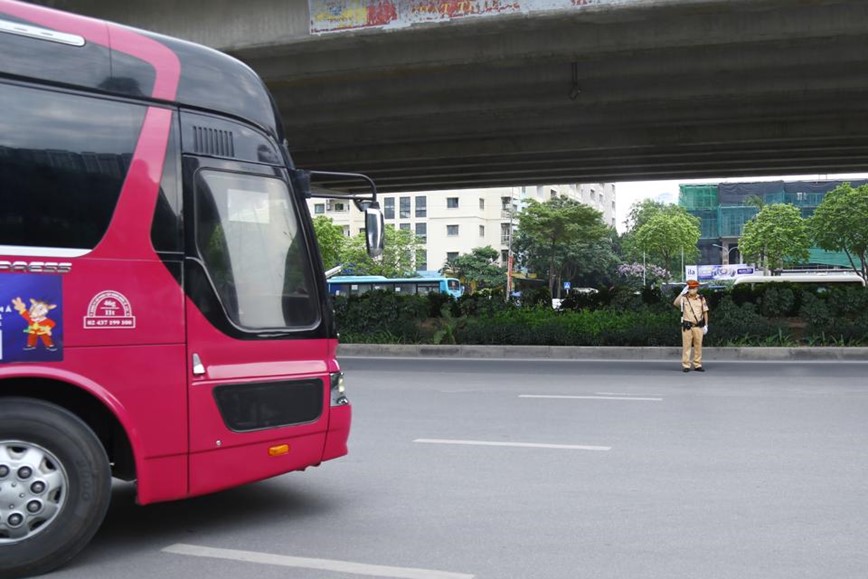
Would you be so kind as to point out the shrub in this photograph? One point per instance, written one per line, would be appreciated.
(380, 313)
(847, 302)
(731, 323)
(482, 304)
(583, 328)
(616, 317)
(625, 299)
(537, 297)
(778, 302)
(578, 301)
(816, 313)
(436, 303)
(744, 294)
(652, 296)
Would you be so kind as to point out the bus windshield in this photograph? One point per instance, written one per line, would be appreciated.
(249, 239)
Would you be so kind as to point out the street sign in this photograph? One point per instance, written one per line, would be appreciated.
(567, 285)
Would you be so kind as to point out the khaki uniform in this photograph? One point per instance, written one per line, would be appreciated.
(694, 310)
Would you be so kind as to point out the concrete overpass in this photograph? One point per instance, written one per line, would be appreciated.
(429, 94)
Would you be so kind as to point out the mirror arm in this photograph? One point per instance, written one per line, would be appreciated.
(365, 178)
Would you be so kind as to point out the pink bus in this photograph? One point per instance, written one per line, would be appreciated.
(164, 314)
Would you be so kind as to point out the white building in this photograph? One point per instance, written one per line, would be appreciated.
(455, 222)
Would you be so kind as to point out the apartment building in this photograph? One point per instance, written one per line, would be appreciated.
(453, 222)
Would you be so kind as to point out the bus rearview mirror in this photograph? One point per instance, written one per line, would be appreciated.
(375, 228)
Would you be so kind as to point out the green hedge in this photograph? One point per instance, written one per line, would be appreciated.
(585, 328)
(779, 316)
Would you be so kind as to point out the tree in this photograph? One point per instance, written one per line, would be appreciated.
(548, 233)
(638, 275)
(398, 259)
(667, 235)
(641, 213)
(777, 236)
(755, 201)
(592, 264)
(840, 223)
(331, 240)
(477, 269)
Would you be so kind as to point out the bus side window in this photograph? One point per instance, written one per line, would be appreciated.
(166, 226)
(63, 161)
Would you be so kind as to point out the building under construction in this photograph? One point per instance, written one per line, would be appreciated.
(724, 208)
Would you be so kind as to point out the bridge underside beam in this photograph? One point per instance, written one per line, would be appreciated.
(653, 89)
(734, 89)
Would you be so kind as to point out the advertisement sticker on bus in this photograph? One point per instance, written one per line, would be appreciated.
(31, 318)
(109, 310)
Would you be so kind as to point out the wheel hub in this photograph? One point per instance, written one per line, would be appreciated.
(33, 489)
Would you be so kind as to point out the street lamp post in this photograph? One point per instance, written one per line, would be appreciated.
(728, 251)
(509, 257)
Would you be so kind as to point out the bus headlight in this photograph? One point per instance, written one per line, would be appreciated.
(338, 396)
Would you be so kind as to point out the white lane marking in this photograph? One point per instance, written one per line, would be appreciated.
(308, 563)
(514, 444)
(589, 397)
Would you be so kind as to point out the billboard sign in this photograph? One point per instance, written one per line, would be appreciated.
(346, 15)
(707, 273)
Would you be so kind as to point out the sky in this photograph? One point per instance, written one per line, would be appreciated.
(627, 193)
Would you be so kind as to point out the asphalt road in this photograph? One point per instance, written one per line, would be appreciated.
(749, 470)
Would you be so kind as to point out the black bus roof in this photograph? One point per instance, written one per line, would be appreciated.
(50, 46)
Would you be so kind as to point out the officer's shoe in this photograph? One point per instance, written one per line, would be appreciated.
(685, 370)
(699, 369)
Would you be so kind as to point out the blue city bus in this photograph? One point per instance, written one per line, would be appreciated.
(353, 285)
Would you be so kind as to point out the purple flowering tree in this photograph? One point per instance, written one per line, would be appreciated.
(633, 274)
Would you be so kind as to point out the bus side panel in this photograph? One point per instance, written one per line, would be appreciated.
(124, 329)
(135, 384)
(110, 302)
(120, 324)
(144, 382)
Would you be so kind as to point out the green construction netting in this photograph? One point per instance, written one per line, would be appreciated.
(694, 197)
(823, 257)
(707, 223)
(731, 220)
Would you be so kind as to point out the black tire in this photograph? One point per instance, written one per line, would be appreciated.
(82, 457)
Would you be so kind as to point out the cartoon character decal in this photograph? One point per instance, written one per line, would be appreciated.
(31, 317)
(39, 325)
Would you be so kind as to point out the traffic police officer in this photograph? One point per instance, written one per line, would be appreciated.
(694, 324)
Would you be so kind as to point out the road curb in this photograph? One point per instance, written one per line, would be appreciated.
(598, 353)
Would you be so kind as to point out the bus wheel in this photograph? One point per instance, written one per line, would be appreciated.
(55, 486)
